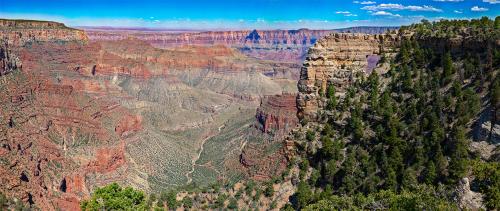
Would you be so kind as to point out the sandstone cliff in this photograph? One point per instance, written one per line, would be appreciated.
(20, 32)
(337, 59)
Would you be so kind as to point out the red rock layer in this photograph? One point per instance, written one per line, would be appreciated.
(53, 132)
(262, 167)
(277, 114)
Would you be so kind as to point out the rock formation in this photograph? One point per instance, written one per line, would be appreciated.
(337, 59)
(277, 114)
(8, 61)
(20, 32)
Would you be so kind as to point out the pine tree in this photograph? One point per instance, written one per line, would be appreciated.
(332, 99)
(497, 22)
(430, 173)
(303, 194)
(330, 170)
(391, 182)
(349, 170)
(409, 180)
(407, 84)
(458, 157)
(330, 91)
(447, 68)
(328, 148)
(441, 163)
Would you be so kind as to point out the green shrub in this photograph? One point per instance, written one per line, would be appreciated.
(114, 197)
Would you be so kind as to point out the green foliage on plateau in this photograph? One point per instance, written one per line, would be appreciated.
(423, 199)
(114, 197)
(482, 29)
(488, 179)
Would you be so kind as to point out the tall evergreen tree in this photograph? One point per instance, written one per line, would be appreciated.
(458, 157)
(447, 64)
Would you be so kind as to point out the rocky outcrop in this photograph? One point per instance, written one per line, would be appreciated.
(262, 167)
(128, 124)
(277, 114)
(21, 32)
(468, 199)
(337, 59)
(8, 61)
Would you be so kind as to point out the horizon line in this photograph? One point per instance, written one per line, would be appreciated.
(167, 29)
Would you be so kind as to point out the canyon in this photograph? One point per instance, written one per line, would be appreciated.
(79, 112)
(154, 110)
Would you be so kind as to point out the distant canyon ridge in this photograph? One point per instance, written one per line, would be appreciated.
(280, 45)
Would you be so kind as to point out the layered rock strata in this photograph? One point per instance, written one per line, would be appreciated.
(21, 32)
(337, 59)
(277, 114)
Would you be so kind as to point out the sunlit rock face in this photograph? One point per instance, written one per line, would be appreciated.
(337, 59)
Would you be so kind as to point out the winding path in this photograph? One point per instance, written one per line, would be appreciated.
(189, 175)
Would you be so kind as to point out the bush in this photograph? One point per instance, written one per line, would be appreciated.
(310, 135)
(233, 204)
(114, 197)
(269, 191)
(187, 202)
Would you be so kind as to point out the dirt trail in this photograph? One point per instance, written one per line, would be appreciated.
(189, 175)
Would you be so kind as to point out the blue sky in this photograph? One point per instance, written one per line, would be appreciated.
(245, 14)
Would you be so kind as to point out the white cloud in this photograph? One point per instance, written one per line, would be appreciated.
(458, 11)
(401, 7)
(346, 13)
(364, 2)
(384, 13)
(492, 1)
(478, 9)
(368, 2)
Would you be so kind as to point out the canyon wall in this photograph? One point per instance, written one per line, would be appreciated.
(229, 38)
(276, 45)
(20, 32)
(277, 115)
(337, 59)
